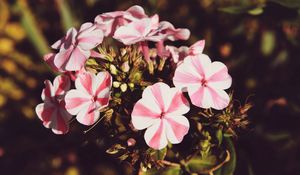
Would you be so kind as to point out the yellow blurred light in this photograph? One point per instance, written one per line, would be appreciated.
(31, 82)
(6, 46)
(15, 31)
(72, 171)
(2, 100)
(28, 112)
(56, 162)
(9, 66)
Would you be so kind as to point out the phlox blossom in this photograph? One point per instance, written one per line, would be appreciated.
(52, 112)
(91, 94)
(160, 111)
(205, 81)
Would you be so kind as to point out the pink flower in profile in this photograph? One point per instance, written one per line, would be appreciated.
(76, 47)
(52, 112)
(160, 111)
(178, 54)
(91, 94)
(205, 81)
(110, 21)
(138, 31)
(169, 32)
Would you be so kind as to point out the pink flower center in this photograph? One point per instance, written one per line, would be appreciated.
(162, 115)
(203, 82)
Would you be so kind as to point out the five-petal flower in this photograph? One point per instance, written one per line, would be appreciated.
(205, 81)
(91, 94)
(75, 48)
(52, 112)
(161, 110)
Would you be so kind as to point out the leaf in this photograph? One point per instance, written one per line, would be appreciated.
(288, 3)
(256, 11)
(219, 135)
(201, 165)
(229, 167)
(158, 154)
(164, 171)
(268, 42)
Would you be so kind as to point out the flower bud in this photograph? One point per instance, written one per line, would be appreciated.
(131, 142)
(113, 69)
(116, 84)
(123, 87)
(125, 66)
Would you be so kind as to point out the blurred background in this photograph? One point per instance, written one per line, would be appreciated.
(257, 39)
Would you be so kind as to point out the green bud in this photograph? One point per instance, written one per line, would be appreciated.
(116, 84)
(123, 87)
(113, 69)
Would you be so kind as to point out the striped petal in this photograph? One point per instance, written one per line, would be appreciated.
(76, 101)
(84, 82)
(102, 81)
(218, 76)
(61, 84)
(143, 114)
(179, 104)
(88, 115)
(176, 128)
(155, 136)
(89, 36)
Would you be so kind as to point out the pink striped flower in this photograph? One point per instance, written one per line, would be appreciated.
(178, 54)
(161, 110)
(91, 94)
(205, 81)
(76, 47)
(52, 112)
(138, 31)
(110, 21)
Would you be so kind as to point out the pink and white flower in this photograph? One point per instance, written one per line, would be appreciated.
(110, 21)
(205, 81)
(178, 54)
(52, 112)
(76, 47)
(91, 94)
(139, 30)
(160, 111)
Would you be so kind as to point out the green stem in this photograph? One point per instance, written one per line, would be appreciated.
(30, 25)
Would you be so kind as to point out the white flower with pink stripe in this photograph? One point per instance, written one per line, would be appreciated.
(161, 110)
(205, 81)
(75, 48)
(91, 94)
(52, 112)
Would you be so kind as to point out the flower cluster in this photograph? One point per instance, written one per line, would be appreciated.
(154, 86)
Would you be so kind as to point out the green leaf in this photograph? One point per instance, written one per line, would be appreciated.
(229, 167)
(165, 171)
(201, 165)
(256, 11)
(288, 3)
(268, 42)
(158, 154)
(219, 135)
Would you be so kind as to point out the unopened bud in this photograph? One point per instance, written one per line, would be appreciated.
(123, 87)
(113, 69)
(131, 142)
(131, 86)
(116, 84)
(125, 66)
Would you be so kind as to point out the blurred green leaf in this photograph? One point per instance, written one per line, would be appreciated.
(288, 3)
(268, 42)
(165, 171)
(256, 11)
(31, 27)
(158, 154)
(219, 135)
(65, 13)
(201, 164)
(229, 167)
